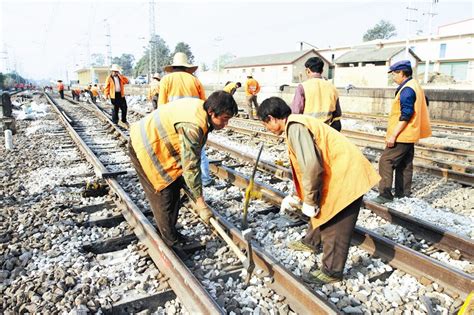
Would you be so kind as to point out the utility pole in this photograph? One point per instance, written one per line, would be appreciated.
(151, 21)
(108, 46)
(5, 58)
(427, 64)
(409, 20)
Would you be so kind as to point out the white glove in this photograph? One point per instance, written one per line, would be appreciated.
(310, 211)
(289, 202)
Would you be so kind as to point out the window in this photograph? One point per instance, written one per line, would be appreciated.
(253, 70)
(285, 68)
(228, 71)
(243, 71)
(262, 69)
(442, 50)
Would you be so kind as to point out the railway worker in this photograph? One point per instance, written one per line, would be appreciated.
(154, 90)
(76, 93)
(95, 93)
(165, 149)
(231, 87)
(251, 90)
(408, 122)
(317, 97)
(61, 88)
(330, 175)
(179, 82)
(114, 89)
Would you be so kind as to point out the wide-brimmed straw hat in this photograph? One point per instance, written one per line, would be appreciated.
(115, 68)
(157, 76)
(180, 60)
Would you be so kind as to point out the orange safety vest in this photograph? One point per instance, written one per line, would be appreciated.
(60, 87)
(178, 85)
(320, 99)
(347, 173)
(156, 141)
(95, 91)
(109, 88)
(419, 125)
(251, 87)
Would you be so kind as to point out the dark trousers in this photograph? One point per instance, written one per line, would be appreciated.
(61, 93)
(154, 101)
(252, 99)
(165, 204)
(119, 102)
(400, 159)
(335, 237)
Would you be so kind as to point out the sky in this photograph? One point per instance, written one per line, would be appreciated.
(44, 39)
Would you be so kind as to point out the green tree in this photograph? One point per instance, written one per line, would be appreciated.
(160, 55)
(382, 30)
(125, 62)
(222, 61)
(184, 48)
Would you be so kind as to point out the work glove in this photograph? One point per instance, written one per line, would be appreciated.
(205, 214)
(309, 211)
(289, 203)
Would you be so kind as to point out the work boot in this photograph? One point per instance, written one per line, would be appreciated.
(319, 278)
(381, 199)
(301, 247)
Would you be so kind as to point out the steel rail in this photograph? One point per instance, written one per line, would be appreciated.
(298, 296)
(460, 177)
(441, 238)
(435, 124)
(191, 293)
(456, 282)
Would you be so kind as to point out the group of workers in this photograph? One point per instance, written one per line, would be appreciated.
(330, 174)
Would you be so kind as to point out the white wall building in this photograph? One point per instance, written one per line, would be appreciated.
(368, 66)
(273, 69)
(450, 51)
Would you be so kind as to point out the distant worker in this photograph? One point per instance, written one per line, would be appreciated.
(61, 89)
(231, 87)
(330, 175)
(154, 90)
(251, 90)
(114, 88)
(95, 93)
(408, 122)
(181, 83)
(317, 97)
(167, 159)
(76, 93)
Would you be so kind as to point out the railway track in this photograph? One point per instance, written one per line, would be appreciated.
(192, 294)
(436, 125)
(456, 166)
(429, 268)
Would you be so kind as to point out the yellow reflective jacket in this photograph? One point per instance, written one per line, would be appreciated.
(156, 141)
(347, 173)
(320, 99)
(176, 85)
(419, 125)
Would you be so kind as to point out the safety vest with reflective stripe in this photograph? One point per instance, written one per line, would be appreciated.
(320, 99)
(179, 85)
(347, 174)
(419, 125)
(156, 141)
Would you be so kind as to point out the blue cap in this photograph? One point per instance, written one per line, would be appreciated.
(400, 65)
